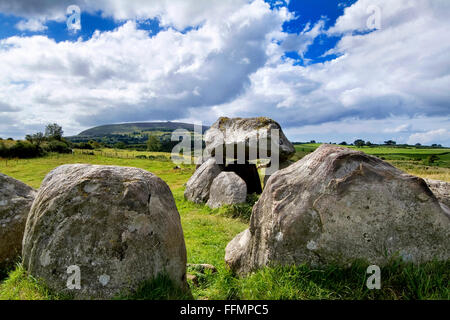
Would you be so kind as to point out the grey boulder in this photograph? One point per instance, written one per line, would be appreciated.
(118, 225)
(227, 188)
(337, 205)
(253, 135)
(199, 185)
(15, 203)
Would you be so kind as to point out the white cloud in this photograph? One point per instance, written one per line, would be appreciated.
(233, 65)
(436, 136)
(177, 13)
(383, 74)
(34, 25)
(302, 41)
(126, 75)
(399, 129)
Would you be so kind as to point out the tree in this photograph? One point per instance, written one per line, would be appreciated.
(368, 143)
(120, 145)
(35, 139)
(390, 142)
(418, 145)
(95, 144)
(343, 143)
(359, 142)
(153, 143)
(54, 131)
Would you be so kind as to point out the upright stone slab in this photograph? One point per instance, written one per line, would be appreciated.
(118, 225)
(227, 188)
(198, 186)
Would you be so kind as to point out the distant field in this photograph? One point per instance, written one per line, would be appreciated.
(409, 159)
(207, 232)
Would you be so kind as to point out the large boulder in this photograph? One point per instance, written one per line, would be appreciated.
(15, 203)
(254, 135)
(227, 188)
(118, 225)
(198, 186)
(441, 190)
(337, 205)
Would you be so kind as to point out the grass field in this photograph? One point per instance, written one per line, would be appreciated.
(207, 232)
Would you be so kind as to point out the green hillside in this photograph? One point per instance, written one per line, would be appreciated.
(136, 128)
(131, 134)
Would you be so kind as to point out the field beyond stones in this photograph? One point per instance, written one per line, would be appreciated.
(207, 232)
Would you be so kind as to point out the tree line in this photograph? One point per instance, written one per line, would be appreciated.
(37, 144)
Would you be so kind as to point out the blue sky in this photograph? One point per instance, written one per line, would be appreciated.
(315, 66)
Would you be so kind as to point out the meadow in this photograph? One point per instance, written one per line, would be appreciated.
(207, 232)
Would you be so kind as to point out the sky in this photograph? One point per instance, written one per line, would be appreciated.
(328, 70)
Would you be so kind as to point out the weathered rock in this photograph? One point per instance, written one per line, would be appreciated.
(251, 134)
(227, 188)
(15, 203)
(282, 165)
(193, 278)
(441, 190)
(198, 186)
(119, 225)
(336, 205)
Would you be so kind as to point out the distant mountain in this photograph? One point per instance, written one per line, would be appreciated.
(132, 133)
(139, 127)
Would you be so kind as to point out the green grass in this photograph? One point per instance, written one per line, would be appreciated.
(398, 281)
(21, 286)
(207, 232)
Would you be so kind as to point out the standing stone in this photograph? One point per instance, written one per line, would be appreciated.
(118, 225)
(227, 188)
(15, 203)
(198, 186)
(337, 205)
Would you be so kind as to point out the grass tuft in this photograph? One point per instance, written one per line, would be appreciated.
(21, 286)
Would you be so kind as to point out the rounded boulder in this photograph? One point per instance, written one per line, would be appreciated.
(95, 232)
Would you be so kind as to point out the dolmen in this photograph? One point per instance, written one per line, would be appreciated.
(236, 145)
